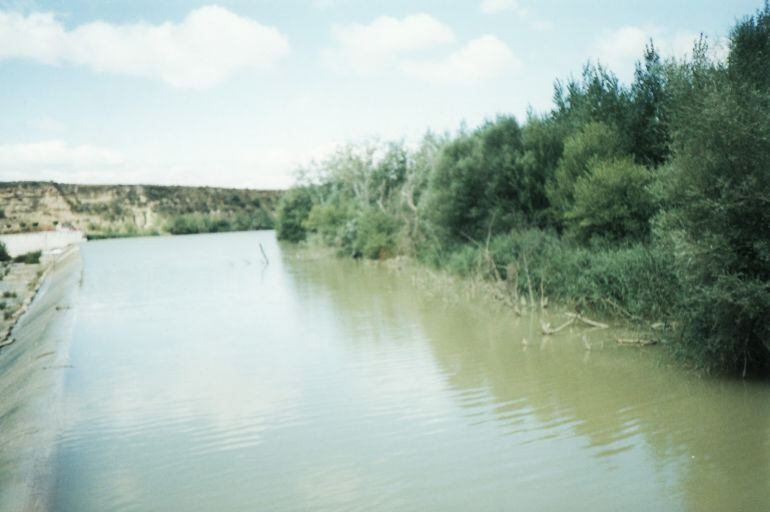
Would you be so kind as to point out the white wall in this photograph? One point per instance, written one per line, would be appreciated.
(22, 243)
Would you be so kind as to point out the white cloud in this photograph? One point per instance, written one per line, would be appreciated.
(367, 48)
(482, 58)
(266, 167)
(621, 48)
(202, 50)
(394, 44)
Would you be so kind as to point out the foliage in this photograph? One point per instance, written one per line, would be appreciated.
(488, 180)
(612, 202)
(4, 256)
(592, 143)
(717, 196)
(647, 201)
(649, 121)
(293, 209)
(29, 258)
(375, 235)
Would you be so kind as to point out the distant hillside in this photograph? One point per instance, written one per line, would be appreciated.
(127, 210)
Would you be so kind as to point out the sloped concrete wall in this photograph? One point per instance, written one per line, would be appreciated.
(32, 372)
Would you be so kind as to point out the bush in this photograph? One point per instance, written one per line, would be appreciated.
(330, 220)
(612, 202)
(29, 258)
(481, 182)
(4, 256)
(594, 142)
(717, 199)
(375, 235)
(293, 210)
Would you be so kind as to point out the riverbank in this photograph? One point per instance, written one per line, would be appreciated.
(37, 328)
(553, 317)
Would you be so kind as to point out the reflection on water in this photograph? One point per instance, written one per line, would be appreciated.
(204, 380)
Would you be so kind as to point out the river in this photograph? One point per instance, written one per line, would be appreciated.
(202, 379)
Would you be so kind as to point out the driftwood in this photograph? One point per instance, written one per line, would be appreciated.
(635, 342)
(592, 323)
(547, 329)
(264, 256)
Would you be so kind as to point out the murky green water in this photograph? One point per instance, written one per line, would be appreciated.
(205, 381)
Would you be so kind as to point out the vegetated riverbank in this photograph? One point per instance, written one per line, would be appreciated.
(645, 202)
(31, 375)
(110, 211)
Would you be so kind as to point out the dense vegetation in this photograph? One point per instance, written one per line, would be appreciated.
(649, 200)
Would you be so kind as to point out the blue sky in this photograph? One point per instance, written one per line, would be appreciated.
(240, 93)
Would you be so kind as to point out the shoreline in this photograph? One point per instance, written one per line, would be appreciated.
(32, 286)
(32, 381)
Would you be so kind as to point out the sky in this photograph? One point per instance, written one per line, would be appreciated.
(241, 93)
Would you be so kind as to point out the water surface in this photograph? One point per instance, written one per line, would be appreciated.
(204, 380)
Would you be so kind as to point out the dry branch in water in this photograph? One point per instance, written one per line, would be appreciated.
(633, 342)
(592, 323)
(547, 329)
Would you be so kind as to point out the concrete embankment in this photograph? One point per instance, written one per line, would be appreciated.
(31, 379)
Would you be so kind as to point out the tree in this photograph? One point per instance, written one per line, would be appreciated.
(293, 210)
(594, 142)
(718, 198)
(649, 122)
(478, 184)
(597, 97)
(612, 202)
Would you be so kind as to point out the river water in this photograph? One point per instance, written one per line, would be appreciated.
(204, 380)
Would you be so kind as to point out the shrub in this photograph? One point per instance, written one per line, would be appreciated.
(293, 210)
(375, 236)
(595, 141)
(612, 202)
(717, 198)
(29, 258)
(4, 256)
(329, 220)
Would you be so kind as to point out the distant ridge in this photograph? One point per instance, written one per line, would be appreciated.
(132, 210)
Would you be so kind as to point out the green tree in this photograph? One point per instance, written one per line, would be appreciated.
(293, 210)
(375, 236)
(597, 97)
(478, 184)
(649, 123)
(594, 142)
(718, 199)
(612, 202)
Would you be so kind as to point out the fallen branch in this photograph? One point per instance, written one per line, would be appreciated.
(592, 323)
(634, 342)
(546, 326)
